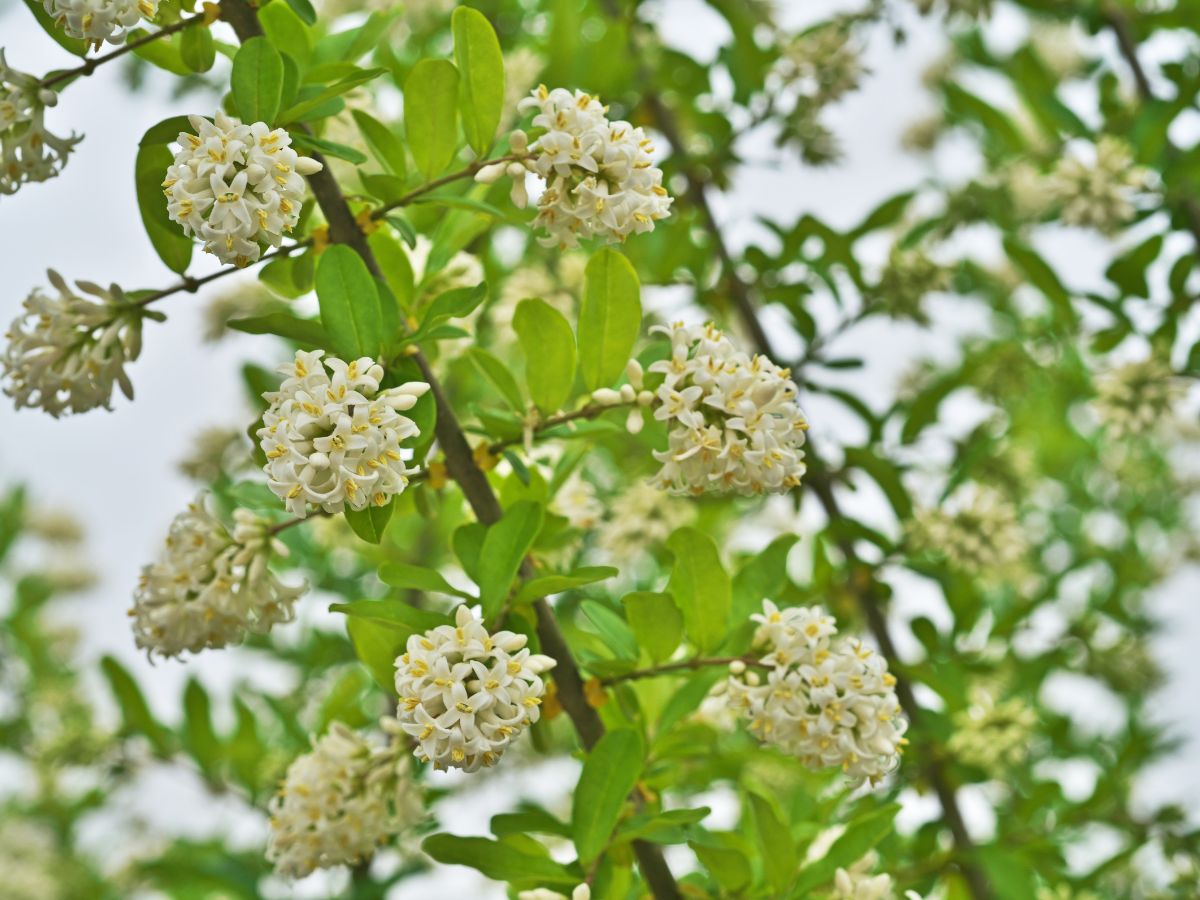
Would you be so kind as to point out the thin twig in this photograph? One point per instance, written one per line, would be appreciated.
(191, 285)
(686, 665)
(469, 172)
(92, 64)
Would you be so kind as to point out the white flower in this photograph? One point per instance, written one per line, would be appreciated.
(209, 587)
(236, 187)
(339, 802)
(601, 180)
(1101, 195)
(857, 882)
(827, 704)
(28, 152)
(993, 736)
(976, 530)
(581, 892)
(576, 501)
(31, 861)
(332, 437)
(465, 694)
(66, 352)
(733, 423)
(212, 453)
(640, 518)
(1138, 398)
(98, 21)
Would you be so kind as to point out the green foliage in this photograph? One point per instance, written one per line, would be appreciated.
(610, 318)
(610, 771)
(700, 587)
(430, 114)
(481, 85)
(257, 81)
(350, 308)
(549, 347)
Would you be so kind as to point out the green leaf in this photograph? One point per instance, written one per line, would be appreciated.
(349, 303)
(656, 622)
(508, 859)
(369, 523)
(304, 10)
(1040, 275)
(429, 114)
(328, 148)
(496, 372)
(165, 132)
(1128, 271)
(468, 547)
(287, 31)
(377, 646)
(611, 770)
(546, 585)
(315, 104)
(453, 304)
(394, 614)
(70, 44)
(762, 577)
(549, 347)
(504, 547)
(775, 842)
(668, 827)
(197, 49)
(257, 81)
(136, 717)
(860, 836)
(700, 586)
(198, 735)
(384, 144)
(613, 629)
(609, 318)
(404, 575)
(481, 87)
(729, 867)
(173, 247)
(308, 333)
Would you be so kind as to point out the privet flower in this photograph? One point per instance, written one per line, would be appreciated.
(28, 152)
(236, 187)
(600, 178)
(66, 352)
(1101, 195)
(98, 21)
(209, 587)
(828, 704)
(332, 436)
(824, 65)
(31, 861)
(212, 451)
(581, 892)
(576, 501)
(976, 530)
(640, 518)
(559, 288)
(733, 423)
(857, 882)
(993, 736)
(1138, 397)
(465, 694)
(340, 801)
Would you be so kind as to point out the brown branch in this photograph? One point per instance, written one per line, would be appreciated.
(415, 194)
(687, 665)
(92, 64)
(191, 285)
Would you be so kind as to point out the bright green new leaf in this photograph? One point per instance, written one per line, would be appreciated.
(656, 621)
(308, 333)
(430, 104)
(385, 145)
(612, 628)
(549, 348)
(556, 584)
(508, 859)
(454, 304)
(860, 836)
(727, 865)
(136, 717)
(496, 372)
(197, 49)
(349, 303)
(775, 842)
(369, 523)
(173, 247)
(481, 85)
(761, 578)
(377, 645)
(700, 587)
(404, 575)
(611, 770)
(609, 318)
(287, 31)
(257, 81)
(394, 614)
(503, 549)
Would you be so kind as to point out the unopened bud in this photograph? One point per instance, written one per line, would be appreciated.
(737, 667)
(628, 394)
(491, 174)
(606, 396)
(634, 421)
(518, 141)
(306, 165)
(645, 398)
(633, 371)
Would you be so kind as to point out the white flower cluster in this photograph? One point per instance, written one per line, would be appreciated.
(209, 588)
(66, 352)
(1138, 398)
(98, 21)
(236, 187)
(332, 437)
(28, 152)
(31, 861)
(828, 704)
(576, 501)
(465, 694)
(857, 882)
(733, 423)
(639, 519)
(581, 892)
(601, 180)
(993, 736)
(340, 801)
(1099, 195)
(976, 530)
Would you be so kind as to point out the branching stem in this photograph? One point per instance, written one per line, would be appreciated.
(90, 65)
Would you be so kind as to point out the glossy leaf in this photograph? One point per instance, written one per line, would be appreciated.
(549, 348)
(481, 82)
(610, 318)
(611, 770)
(430, 104)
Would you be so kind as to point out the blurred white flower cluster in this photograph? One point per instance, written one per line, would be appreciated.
(733, 423)
(98, 21)
(1100, 195)
(31, 861)
(340, 801)
(601, 180)
(236, 187)
(332, 436)
(1138, 398)
(581, 892)
(977, 530)
(559, 288)
(209, 588)
(993, 736)
(828, 704)
(640, 518)
(857, 883)
(28, 152)
(65, 352)
(465, 694)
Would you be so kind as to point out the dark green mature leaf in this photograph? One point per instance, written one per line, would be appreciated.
(481, 85)
(611, 770)
(556, 584)
(173, 247)
(507, 859)
(549, 348)
(610, 318)
(860, 835)
(369, 523)
(504, 547)
(328, 148)
(700, 586)
(304, 10)
(136, 717)
(656, 621)
(430, 102)
(1128, 271)
(349, 303)
(308, 333)
(257, 81)
(403, 575)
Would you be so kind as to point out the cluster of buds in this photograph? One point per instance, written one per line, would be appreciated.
(28, 152)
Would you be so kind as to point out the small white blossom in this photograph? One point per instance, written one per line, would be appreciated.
(600, 177)
(339, 802)
(465, 694)
(66, 352)
(1100, 195)
(1138, 398)
(236, 187)
(209, 587)
(98, 21)
(827, 704)
(28, 152)
(857, 882)
(332, 436)
(576, 501)
(640, 518)
(976, 530)
(733, 423)
(31, 861)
